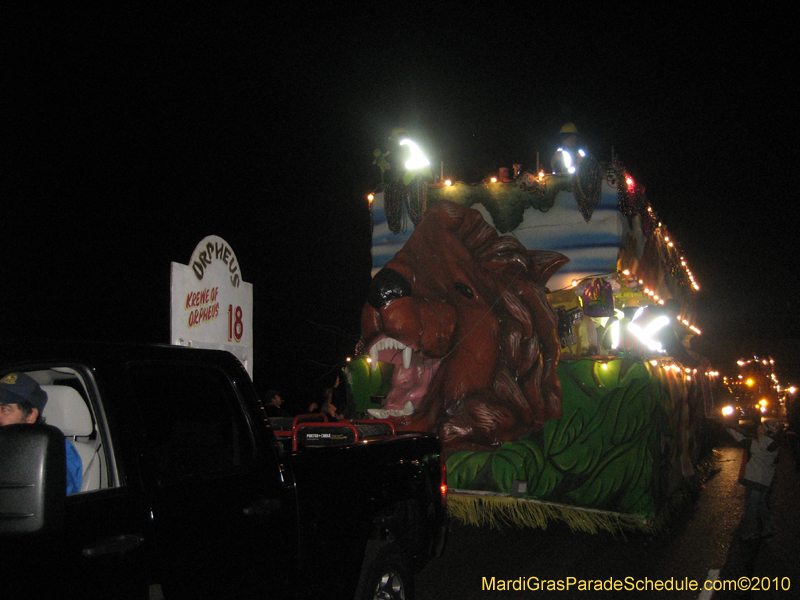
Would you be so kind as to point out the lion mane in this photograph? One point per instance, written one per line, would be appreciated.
(463, 316)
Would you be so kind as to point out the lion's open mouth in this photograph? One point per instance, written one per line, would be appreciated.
(411, 377)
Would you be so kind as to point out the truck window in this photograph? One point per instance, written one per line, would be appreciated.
(193, 420)
(74, 409)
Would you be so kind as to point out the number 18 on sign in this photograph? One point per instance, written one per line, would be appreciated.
(212, 306)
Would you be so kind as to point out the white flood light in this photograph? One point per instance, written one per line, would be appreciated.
(615, 335)
(417, 160)
(646, 334)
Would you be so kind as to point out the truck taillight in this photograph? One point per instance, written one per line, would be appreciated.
(443, 483)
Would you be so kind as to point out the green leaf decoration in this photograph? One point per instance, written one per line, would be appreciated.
(508, 463)
(611, 449)
(463, 468)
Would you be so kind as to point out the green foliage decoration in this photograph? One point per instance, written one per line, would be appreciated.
(506, 202)
(605, 453)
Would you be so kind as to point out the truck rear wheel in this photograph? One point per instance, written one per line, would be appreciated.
(388, 577)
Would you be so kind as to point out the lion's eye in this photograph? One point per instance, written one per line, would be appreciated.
(464, 290)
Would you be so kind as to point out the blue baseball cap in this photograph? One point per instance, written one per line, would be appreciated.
(19, 387)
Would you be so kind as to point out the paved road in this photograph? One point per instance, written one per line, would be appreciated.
(703, 538)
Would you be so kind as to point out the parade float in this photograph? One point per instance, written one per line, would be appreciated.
(539, 323)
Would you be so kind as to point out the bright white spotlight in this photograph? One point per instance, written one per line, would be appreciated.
(647, 333)
(417, 159)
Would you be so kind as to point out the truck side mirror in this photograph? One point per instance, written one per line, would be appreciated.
(33, 479)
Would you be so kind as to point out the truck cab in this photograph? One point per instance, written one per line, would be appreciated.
(186, 491)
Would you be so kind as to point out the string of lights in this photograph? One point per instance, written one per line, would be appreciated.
(650, 272)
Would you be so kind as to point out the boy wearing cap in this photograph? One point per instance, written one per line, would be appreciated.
(22, 401)
(762, 454)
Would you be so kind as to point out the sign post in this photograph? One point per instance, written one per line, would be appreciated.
(212, 306)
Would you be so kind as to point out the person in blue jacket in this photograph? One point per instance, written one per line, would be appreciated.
(762, 453)
(22, 400)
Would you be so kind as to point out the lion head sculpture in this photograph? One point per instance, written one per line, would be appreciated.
(462, 314)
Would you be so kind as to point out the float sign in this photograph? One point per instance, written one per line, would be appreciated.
(212, 306)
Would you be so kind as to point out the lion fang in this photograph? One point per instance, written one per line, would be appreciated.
(390, 344)
(382, 413)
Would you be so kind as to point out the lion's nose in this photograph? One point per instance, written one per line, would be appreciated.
(386, 286)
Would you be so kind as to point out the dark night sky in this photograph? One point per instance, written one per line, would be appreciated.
(129, 136)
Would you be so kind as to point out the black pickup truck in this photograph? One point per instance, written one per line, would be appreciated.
(189, 493)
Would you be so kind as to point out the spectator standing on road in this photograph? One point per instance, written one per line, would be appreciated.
(273, 408)
(342, 398)
(793, 434)
(328, 407)
(22, 400)
(762, 453)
